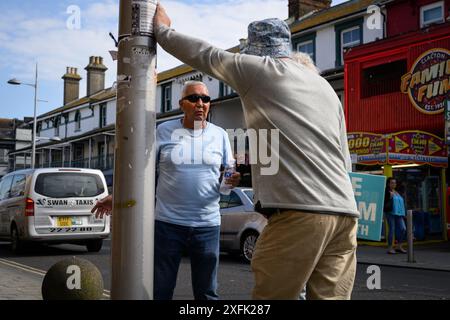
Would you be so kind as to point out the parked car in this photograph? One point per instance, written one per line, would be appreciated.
(241, 225)
(53, 206)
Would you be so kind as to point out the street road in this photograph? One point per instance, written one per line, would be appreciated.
(236, 280)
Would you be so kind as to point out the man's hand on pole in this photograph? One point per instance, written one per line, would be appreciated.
(161, 17)
(103, 207)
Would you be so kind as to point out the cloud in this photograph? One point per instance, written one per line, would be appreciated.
(3, 37)
(29, 26)
(220, 23)
(101, 15)
(47, 39)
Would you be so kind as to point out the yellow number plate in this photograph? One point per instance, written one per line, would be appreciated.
(64, 221)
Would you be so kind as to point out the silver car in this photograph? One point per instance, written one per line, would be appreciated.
(241, 225)
(53, 206)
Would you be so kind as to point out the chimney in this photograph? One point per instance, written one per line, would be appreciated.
(298, 8)
(71, 85)
(95, 75)
(242, 44)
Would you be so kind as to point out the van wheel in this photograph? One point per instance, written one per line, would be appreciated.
(94, 245)
(17, 245)
(248, 244)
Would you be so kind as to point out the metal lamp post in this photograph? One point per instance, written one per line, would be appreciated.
(134, 169)
(35, 86)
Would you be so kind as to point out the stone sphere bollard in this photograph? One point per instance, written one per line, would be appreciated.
(73, 279)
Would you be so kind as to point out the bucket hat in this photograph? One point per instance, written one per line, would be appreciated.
(268, 37)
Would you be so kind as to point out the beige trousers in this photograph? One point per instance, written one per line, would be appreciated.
(301, 248)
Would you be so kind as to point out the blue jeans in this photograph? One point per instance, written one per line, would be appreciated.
(398, 224)
(202, 244)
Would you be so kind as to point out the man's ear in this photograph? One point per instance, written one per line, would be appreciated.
(180, 103)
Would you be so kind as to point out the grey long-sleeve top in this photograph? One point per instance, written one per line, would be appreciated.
(280, 94)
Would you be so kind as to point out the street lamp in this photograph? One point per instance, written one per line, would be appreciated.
(35, 86)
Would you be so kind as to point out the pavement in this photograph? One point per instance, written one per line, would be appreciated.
(433, 255)
(19, 282)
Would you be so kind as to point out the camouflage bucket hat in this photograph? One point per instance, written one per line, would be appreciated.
(269, 37)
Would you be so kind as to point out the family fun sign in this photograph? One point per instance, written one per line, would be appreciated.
(427, 84)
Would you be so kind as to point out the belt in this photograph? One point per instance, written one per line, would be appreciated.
(273, 211)
(268, 212)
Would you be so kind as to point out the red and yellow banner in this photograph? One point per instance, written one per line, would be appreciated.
(370, 148)
(417, 147)
(407, 147)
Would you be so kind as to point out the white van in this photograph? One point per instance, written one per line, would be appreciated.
(53, 206)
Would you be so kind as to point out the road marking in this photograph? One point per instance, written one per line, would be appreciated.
(22, 267)
(42, 273)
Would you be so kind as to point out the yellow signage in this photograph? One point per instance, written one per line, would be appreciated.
(433, 147)
(400, 144)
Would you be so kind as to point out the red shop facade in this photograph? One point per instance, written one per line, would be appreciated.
(396, 95)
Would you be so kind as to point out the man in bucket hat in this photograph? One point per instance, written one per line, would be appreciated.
(310, 237)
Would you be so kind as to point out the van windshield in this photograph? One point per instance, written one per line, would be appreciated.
(68, 185)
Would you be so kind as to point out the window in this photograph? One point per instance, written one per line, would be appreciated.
(102, 115)
(224, 199)
(249, 194)
(66, 119)
(230, 201)
(78, 153)
(5, 187)
(432, 13)
(57, 123)
(166, 93)
(4, 155)
(235, 201)
(225, 90)
(77, 121)
(101, 147)
(67, 185)
(18, 186)
(38, 128)
(349, 38)
(306, 44)
(382, 79)
(348, 34)
(306, 47)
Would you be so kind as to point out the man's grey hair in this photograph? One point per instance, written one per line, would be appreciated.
(191, 83)
(305, 60)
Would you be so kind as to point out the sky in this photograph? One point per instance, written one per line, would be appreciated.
(47, 32)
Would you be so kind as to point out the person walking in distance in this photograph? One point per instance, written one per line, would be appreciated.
(394, 210)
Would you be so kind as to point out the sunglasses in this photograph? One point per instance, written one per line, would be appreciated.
(194, 98)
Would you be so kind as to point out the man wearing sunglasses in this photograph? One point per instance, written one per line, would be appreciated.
(190, 152)
(310, 238)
